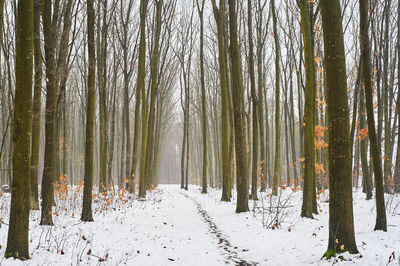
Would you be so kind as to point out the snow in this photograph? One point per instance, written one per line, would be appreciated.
(177, 227)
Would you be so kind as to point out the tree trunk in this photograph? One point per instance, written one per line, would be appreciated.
(153, 94)
(367, 179)
(17, 241)
(219, 15)
(277, 164)
(254, 168)
(50, 117)
(141, 87)
(375, 151)
(36, 112)
(309, 111)
(90, 116)
(238, 113)
(200, 9)
(396, 177)
(341, 224)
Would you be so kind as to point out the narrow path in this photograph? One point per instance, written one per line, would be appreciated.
(229, 252)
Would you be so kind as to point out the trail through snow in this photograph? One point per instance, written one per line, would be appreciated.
(177, 227)
(224, 244)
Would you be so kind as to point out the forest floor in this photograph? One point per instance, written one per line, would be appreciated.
(177, 227)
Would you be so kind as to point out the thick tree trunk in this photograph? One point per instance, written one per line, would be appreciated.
(17, 241)
(341, 223)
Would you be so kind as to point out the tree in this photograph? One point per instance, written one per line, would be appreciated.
(260, 83)
(17, 241)
(238, 113)
(102, 89)
(89, 142)
(375, 151)
(219, 15)
(50, 116)
(396, 177)
(141, 87)
(367, 178)
(277, 165)
(341, 224)
(200, 9)
(309, 110)
(37, 104)
(150, 164)
(254, 176)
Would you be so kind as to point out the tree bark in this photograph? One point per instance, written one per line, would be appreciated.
(277, 164)
(141, 87)
(37, 105)
(238, 112)
(341, 223)
(17, 241)
(309, 111)
(90, 116)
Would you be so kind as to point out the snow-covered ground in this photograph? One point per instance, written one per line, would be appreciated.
(176, 227)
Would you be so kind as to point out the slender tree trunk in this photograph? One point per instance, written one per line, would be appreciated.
(36, 112)
(367, 179)
(141, 86)
(200, 9)
(386, 159)
(377, 162)
(309, 111)
(219, 16)
(277, 165)
(238, 112)
(102, 80)
(90, 116)
(254, 168)
(260, 84)
(153, 95)
(50, 117)
(396, 177)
